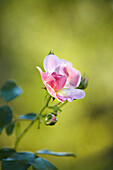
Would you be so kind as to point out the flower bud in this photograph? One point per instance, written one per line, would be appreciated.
(83, 83)
(50, 119)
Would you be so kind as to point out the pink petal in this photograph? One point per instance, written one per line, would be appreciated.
(47, 78)
(49, 82)
(51, 90)
(70, 94)
(50, 63)
(73, 76)
(60, 81)
(61, 63)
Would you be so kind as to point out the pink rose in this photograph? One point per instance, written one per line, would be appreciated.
(61, 79)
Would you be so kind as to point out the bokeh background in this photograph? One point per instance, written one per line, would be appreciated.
(80, 31)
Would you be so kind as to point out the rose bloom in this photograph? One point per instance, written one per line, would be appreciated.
(61, 79)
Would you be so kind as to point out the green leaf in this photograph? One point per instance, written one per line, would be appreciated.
(43, 164)
(29, 116)
(14, 165)
(18, 161)
(5, 116)
(9, 129)
(6, 152)
(10, 91)
(28, 157)
(47, 152)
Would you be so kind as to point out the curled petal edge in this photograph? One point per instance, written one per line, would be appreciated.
(70, 94)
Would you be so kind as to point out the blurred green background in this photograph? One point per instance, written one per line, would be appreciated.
(80, 31)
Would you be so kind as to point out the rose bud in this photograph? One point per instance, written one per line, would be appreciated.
(50, 119)
(83, 83)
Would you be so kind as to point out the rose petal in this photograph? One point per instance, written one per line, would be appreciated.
(64, 62)
(49, 82)
(47, 78)
(59, 80)
(61, 63)
(70, 94)
(73, 76)
(52, 92)
(50, 63)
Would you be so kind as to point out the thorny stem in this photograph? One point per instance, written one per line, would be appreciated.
(31, 124)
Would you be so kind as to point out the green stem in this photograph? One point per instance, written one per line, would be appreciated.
(31, 124)
(63, 104)
(51, 107)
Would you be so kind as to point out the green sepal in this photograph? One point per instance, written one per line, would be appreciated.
(51, 53)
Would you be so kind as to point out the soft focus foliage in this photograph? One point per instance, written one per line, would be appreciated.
(82, 33)
(10, 91)
(46, 152)
(6, 116)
